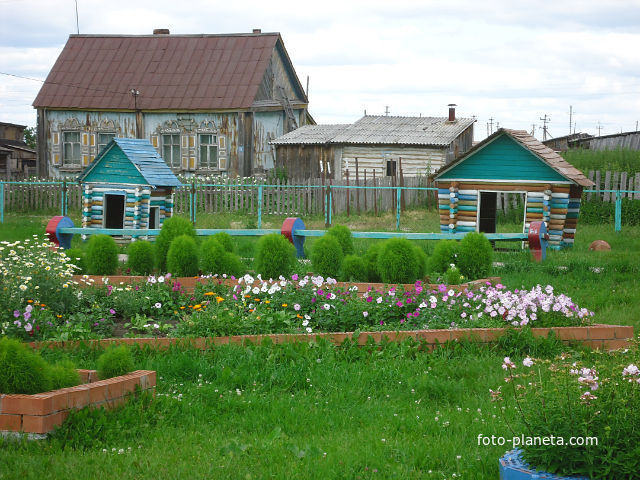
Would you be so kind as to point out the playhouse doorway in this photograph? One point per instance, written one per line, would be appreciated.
(502, 212)
(114, 210)
(487, 212)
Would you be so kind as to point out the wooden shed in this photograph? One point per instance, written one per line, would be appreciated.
(511, 161)
(128, 185)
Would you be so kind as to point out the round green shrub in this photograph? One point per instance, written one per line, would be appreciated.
(141, 257)
(64, 374)
(182, 258)
(444, 254)
(452, 276)
(354, 269)
(344, 237)
(397, 261)
(115, 361)
(475, 257)
(421, 263)
(211, 253)
(326, 256)
(76, 257)
(171, 228)
(371, 262)
(102, 255)
(226, 241)
(231, 264)
(21, 369)
(275, 256)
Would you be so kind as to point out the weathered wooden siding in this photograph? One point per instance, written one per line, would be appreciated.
(461, 144)
(416, 161)
(267, 126)
(503, 159)
(304, 161)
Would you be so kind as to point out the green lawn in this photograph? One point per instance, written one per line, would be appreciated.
(292, 411)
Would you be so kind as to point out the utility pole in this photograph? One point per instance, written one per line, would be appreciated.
(545, 120)
(636, 125)
(386, 111)
(570, 118)
(533, 129)
(491, 125)
(599, 127)
(77, 22)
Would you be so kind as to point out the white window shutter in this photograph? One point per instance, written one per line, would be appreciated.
(154, 141)
(85, 139)
(185, 141)
(185, 163)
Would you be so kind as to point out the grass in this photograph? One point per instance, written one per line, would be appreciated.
(289, 411)
(620, 160)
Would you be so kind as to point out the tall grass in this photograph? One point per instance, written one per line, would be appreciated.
(620, 160)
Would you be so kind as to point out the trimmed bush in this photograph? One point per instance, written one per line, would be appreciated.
(354, 269)
(182, 258)
(63, 375)
(371, 262)
(397, 261)
(226, 241)
(21, 369)
(475, 257)
(171, 228)
(141, 257)
(102, 255)
(115, 361)
(326, 256)
(231, 264)
(275, 256)
(344, 237)
(444, 254)
(76, 255)
(421, 263)
(211, 253)
(453, 276)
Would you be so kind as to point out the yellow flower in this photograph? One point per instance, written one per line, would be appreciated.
(285, 305)
(208, 294)
(267, 301)
(197, 306)
(219, 299)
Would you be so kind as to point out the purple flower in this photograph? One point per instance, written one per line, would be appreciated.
(112, 311)
(109, 290)
(27, 316)
(294, 277)
(399, 303)
(442, 288)
(369, 299)
(16, 313)
(28, 327)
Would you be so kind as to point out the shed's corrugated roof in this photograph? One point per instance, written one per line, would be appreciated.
(310, 135)
(437, 131)
(146, 159)
(184, 72)
(544, 153)
(386, 130)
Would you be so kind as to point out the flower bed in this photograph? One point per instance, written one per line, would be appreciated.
(41, 413)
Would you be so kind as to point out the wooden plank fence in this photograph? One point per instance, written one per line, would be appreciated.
(613, 181)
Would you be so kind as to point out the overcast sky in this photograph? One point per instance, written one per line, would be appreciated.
(511, 61)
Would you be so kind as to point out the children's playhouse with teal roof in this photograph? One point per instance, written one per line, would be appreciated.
(128, 185)
(511, 161)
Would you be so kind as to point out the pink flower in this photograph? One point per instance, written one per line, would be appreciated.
(508, 364)
(528, 362)
(369, 299)
(366, 314)
(294, 277)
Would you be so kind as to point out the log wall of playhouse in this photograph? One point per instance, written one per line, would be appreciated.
(138, 204)
(558, 205)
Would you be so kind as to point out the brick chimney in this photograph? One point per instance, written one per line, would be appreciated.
(161, 31)
(452, 112)
(257, 30)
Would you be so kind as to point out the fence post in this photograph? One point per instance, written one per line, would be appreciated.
(1, 202)
(398, 207)
(64, 198)
(618, 211)
(192, 202)
(260, 206)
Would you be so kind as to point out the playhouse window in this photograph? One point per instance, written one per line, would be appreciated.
(171, 150)
(104, 139)
(208, 151)
(71, 148)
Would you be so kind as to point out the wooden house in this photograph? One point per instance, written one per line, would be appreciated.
(511, 161)
(17, 160)
(128, 185)
(209, 104)
(380, 144)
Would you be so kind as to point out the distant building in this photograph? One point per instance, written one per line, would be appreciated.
(380, 144)
(562, 144)
(17, 160)
(209, 104)
(626, 140)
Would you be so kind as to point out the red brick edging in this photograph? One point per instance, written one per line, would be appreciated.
(42, 412)
(609, 337)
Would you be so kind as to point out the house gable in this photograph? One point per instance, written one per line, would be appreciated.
(113, 166)
(503, 159)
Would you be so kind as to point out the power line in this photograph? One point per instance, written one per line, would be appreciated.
(95, 89)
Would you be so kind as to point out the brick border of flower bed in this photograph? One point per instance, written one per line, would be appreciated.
(42, 412)
(603, 337)
(189, 283)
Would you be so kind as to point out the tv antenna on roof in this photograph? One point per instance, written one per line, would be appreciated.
(77, 24)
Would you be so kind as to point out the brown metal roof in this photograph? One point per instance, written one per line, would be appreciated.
(536, 147)
(170, 71)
